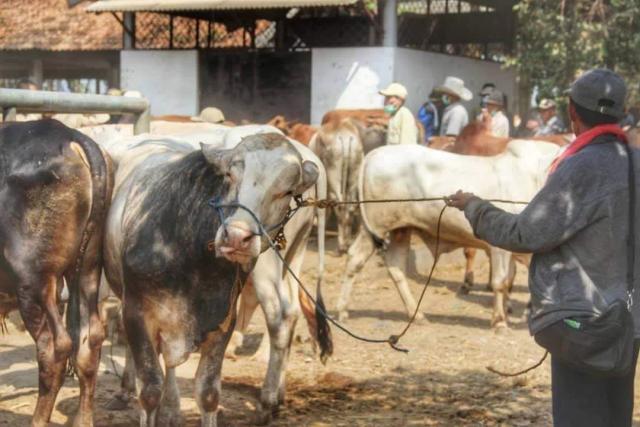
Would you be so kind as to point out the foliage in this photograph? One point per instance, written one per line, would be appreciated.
(558, 39)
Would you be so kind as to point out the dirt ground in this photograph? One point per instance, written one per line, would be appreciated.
(442, 381)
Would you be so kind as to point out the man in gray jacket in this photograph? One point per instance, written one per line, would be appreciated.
(576, 227)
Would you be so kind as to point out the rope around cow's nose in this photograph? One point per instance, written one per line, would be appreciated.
(392, 340)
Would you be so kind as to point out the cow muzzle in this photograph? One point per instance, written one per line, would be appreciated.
(237, 242)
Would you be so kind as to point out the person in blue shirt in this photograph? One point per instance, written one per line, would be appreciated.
(429, 116)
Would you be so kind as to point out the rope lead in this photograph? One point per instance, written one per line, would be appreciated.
(392, 340)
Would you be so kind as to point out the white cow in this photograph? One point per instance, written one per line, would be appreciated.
(269, 285)
(412, 171)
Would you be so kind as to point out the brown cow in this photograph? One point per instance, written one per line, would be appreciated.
(301, 132)
(55, 188)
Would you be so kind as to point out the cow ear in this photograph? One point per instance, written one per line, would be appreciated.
(217, 157)
(310, 173)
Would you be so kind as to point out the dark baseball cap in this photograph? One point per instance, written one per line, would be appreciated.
(600, 90)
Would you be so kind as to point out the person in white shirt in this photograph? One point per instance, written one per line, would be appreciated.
(455, 116)
(498, 121)
(402, 128)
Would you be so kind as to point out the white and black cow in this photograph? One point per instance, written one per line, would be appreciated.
(55, 189)
(269, 284)
(179, 267)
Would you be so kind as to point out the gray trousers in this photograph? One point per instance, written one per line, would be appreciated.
(580, 400)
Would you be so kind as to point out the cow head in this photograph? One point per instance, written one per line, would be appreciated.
(263, 173)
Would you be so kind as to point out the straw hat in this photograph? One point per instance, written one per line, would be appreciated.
(546, 104)
(209, 115)
(455, 86)
(395, 89)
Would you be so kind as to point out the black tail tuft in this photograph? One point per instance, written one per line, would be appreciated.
(323, 330)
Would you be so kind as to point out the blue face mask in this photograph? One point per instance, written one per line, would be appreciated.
(390, 109)
(446, 100)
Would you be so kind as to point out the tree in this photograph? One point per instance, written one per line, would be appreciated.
(557, 40)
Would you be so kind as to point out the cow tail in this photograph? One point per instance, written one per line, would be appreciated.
(323, 331)
(101, 187)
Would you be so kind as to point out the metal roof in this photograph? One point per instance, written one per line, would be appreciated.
(182, 5)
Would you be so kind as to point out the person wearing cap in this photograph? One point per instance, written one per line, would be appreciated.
(551, 123)
(493, 113)
(429, 116)
(209, 115)
(577, 228)
(402, 127)
(455, 116)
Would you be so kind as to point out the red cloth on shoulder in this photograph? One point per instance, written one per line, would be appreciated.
(585, 139)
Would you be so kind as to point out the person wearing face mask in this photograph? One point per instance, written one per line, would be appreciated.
(455, 116)
(402, 128)
(580, 229)
(493, 113)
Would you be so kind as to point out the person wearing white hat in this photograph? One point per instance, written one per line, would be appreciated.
(209, 115)
(455, 116)
(402, 128)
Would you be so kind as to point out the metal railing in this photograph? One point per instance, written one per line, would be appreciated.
(32, 101)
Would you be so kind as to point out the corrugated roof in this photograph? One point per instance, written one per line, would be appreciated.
(176, 5)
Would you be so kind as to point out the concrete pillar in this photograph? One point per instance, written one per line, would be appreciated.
(390, 23)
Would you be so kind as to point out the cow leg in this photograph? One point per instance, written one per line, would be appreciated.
(148, 370)
(500, 261)
(359, 252)
(511, 277)
(208, 378)
(120, 400)
(396, 258)
(281, 309)
(51, 355)
(470, 256)
(87, 358)
(248, 305)
(169, 411)
(342, 215)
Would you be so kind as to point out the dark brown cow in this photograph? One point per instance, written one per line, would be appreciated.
(55, 187)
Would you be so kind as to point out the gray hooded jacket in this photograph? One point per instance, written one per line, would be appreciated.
(576, 227)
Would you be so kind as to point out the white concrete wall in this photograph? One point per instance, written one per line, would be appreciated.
(168, 79)
(421, 71)
(348, 78)
(352, 77)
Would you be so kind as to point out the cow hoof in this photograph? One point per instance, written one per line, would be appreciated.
(264, 416)
(343, 315)
(118, 402)
(464, 289)
(169, 417)
(501, 328)
(468, 280)
(83, 421)
(420, 319)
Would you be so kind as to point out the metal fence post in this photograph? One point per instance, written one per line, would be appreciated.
(9, 114)
(142, 124)
(13, 100)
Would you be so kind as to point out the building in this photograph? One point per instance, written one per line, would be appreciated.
(258, 58)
